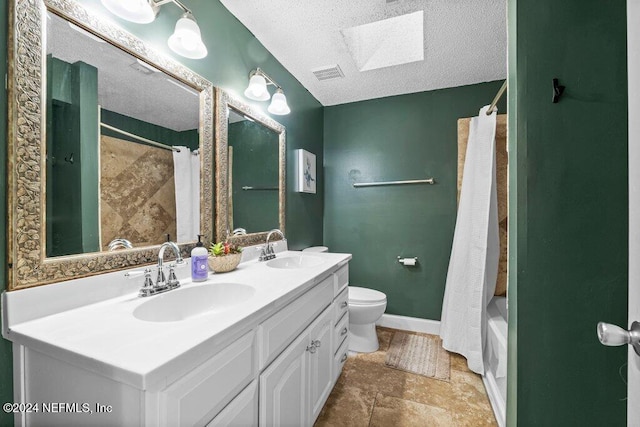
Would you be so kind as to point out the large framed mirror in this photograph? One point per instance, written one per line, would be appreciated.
(250, 172)
(110, 147)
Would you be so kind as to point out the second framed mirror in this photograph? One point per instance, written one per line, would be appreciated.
(250, 172)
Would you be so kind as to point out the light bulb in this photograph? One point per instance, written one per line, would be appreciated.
(257, 89)
(186, 39)
(138, 11)
(279, 104)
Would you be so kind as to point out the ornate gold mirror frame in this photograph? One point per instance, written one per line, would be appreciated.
(223, 102)
(27, 261)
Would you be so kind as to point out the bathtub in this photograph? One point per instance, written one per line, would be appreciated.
(495, 357)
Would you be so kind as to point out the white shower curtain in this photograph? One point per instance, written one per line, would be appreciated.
(473, 266)
(186, 173)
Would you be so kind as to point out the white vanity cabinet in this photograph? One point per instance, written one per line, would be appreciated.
(295, 387)
(272, 367)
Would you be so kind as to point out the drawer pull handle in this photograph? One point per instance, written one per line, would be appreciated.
(316, 343)
(343, 332)
(344, 357)
(344, 304)
(311, 348)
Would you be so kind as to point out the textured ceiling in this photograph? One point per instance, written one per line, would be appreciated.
(124, 85)
(465, 42)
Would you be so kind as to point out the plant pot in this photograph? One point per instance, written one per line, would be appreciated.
(225, 263)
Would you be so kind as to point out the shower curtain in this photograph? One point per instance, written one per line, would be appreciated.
(186, 173)
(473, 266)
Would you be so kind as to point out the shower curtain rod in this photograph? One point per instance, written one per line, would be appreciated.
(497, 98)
(139, 138)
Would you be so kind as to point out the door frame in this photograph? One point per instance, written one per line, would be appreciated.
(633, 68)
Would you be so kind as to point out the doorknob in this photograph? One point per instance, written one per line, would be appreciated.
(612, 335)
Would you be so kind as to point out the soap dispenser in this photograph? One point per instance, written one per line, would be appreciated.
(199, 255)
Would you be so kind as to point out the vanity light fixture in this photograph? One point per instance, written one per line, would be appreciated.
(186, 39)
(257, 90)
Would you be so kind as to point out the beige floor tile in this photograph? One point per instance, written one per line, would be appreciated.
(347, 407)
(374, 376)
(404, 394)
(459, 363)
(391, 411)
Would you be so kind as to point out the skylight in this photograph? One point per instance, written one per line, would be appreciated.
(393, 41)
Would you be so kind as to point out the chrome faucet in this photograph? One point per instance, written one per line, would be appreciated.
(173, 282)
(267, 251)
(162, 284)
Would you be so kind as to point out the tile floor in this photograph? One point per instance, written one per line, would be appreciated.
(370, 394)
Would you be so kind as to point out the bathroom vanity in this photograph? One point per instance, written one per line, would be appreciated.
(262, 345)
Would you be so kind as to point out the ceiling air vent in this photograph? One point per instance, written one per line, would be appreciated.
(328, 73)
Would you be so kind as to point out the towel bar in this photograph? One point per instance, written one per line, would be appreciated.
(413, 181)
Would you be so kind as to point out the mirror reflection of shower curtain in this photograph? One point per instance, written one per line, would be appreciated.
(186, 166)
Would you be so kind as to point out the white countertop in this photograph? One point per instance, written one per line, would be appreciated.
(105, 337)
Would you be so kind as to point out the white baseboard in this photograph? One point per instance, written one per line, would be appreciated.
(412, 324)
(497, 404)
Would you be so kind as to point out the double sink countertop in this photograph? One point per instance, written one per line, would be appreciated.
(103, 335)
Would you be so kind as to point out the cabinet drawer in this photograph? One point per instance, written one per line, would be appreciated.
(242, 411)
(340, 279)
(339, 359)
(341, 305)
(275, 333)
(341, 332)
(201, 394)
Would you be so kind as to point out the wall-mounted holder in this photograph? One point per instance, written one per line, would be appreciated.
(558, 90)
(408, 261)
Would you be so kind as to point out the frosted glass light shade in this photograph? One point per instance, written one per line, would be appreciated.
(257, 89)
(279, 104)
(138, 11)
(186, 39)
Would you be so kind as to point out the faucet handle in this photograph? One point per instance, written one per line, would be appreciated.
(136, 273)
(173, 281)
(148, 287)
(148, 283)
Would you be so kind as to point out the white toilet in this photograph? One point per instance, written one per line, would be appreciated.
(316, 249)
(366, 306)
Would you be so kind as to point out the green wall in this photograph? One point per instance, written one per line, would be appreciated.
(397, 138)
(72, 148)
(233, 53)
(255, 164)
(187, 138)
(569, 240)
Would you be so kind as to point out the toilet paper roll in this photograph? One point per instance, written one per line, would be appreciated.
(408, 261)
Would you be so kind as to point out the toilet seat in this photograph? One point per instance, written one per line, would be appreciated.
(359, 295)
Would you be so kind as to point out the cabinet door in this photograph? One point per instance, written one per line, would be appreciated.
(284, 387)
(321, 362)
(241, 412)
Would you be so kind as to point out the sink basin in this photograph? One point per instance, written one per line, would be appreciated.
(189, 301)
(292, 262)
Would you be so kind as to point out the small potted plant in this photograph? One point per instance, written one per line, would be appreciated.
(224, 257)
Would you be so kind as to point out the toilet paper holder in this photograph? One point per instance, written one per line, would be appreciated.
(408, 261)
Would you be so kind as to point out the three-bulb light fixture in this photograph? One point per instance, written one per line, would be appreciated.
(185, 40)
(257, 90)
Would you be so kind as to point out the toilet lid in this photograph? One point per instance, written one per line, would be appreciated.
(316, 249)
(365, 295)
